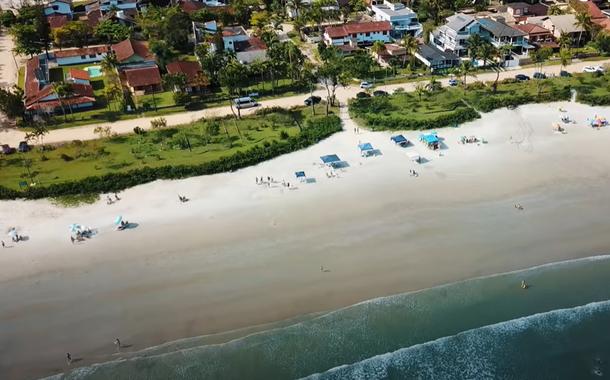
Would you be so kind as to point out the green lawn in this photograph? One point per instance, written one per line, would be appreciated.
(155, 148)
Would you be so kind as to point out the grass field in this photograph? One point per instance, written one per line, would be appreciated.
(190, 144)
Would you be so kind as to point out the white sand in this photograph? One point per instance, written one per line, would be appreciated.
(239, 254)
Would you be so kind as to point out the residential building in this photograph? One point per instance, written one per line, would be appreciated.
(142, 80)
(247, 48)
(537, 36)
(58, 7)
(190, 6)
(89, 54)
(133, 53)
(500, 34)
(40, 96)
(436, 59)
(561, 24)
(107, 5)
(597, 16)
(403, 19)
(196, 79)
(78, 76)
(358, 34)
(203, 30)
(392, 51)
(453, 35)
(57, 21)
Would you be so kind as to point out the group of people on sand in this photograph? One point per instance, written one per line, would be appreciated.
(110, 201)
(413, 173)
(183, 198)
(81, 235)
(117, 344)
(265, 181)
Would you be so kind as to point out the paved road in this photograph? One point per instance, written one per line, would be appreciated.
(12, 137)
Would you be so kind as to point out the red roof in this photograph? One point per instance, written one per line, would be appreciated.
(78, 74)
(594, 10)
(81, 93)
(532, 29)
(32, 85)
(189, 68)
(189, 6)
(358, 27)
(605, 23)
(93, 17)
(128, 48)
(57, 21)
(143, 76)
(251, 44)
(78, 52)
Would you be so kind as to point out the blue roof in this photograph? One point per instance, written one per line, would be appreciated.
(329, 159)
(429, 139)
(399, 139)
(299, 174)
(365, 146)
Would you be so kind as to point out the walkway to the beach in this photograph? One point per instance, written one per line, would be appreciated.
(13, 136)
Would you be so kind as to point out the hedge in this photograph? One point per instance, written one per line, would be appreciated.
(379, 122)
(594, 100)
(491, 102)
(317, 129)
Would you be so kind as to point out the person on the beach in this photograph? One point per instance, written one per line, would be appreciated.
(3, 245)
(321, 268)
(116, 197)
(72, 239)
(117, 343)
(68, 358)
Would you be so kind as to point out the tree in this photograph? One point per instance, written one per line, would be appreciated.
(565, 40)
(163, 51)
(171, 25)
(175, 82)
(474, 43)
(233, 77)
(502, 53)
(427, 27)
(410, 44)
(63, 90)
(602, 42)
(74, 33)
(310, 76)
(377, 48)
(486, 52)
(466, 69)
(37, 132)
(212, 61)
(11, 102)
(7, 18)
(31, 32)
(359, 65)
(539, 57)
(332, 74)
(111, 32)
(565, 56)
(555, 10)
(420, 89)
(584, 23)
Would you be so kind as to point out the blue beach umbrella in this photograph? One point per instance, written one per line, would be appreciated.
(118, 220)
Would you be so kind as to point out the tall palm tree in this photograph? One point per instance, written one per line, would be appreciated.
(474, 43)
(565, 57)
(584, 22)
(377, 48)
(486, 52)
(466, 69)
(410, 44)
(501, 54)
(565, 40)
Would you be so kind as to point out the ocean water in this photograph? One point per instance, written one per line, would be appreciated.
(484, 328)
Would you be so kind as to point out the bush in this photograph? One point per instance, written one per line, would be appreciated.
(66, 158)
(317, 129)
(491, 102)
(393, 122)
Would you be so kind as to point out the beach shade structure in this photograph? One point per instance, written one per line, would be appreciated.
(366, 149)
(400, 140)
(599, 121)
(414, 156)
(300, 176)
(118, 220)
(12, 233)
(74, 227)
(330, 160)
(431, 140)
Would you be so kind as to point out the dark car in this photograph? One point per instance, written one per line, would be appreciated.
(362, 95)
(521, 77)
(380, 93)
(6, 149)
(312, 100)
(564, 74)
(539, 75)
(23, 147)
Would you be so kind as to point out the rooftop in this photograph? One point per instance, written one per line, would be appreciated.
(499, 29)
(532, 29)
(393, 10)
(229, 31)
(190, 68)
(143, 76)
(91, 50)
(251, 44)
(358, 27)
(128, 48)
(79, 74)
(459, 21)
(431, 53)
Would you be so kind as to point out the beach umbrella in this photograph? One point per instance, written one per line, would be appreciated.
(12, 233)
(118, 220)
(74, 227)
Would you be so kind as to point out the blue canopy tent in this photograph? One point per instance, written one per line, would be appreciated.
(366, 149)
(431, 140)
(300, 175)
(400, 140)
(331, 159)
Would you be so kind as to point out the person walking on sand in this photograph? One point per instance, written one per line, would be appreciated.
(68, 358)
(72, 239)
(117, 343)
(3, 245)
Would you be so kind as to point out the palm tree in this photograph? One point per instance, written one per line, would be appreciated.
(377, 48)
(565, 56)
(410, 44)
(420, 89)
(465, 69)
(486, 52)
(61, 91)
(474, 43)
(584, 22)
(501, 53)
(565, 40)
(109, 63)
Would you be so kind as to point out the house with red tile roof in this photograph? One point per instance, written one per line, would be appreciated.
(142, 79)
(132, 52)
(91, 54)
(195, 77)
(537, 35)
(78, 76)
(57, 21)
(247, 48)
(358, 33)
(40, 96)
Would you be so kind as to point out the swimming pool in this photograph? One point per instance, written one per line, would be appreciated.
(94, 71)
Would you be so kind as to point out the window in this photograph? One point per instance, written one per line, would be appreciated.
(368, 34)
(92, 55)
(83, 57)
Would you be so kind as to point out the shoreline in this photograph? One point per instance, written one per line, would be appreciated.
(239, 254)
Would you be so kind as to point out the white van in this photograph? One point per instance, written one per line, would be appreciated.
(245, 102)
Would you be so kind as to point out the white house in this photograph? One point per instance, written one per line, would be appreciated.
(453, 35)
(89, 54)
(403, 19)
(107, 5)
(58, 7)
(247, 49)
(361, 33)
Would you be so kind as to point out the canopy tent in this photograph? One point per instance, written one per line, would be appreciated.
(331, 159)
(400, 140)
(118, 220)
(414, 156)
(74, 228)
(431, 140)
(300, 175)
(366, 149)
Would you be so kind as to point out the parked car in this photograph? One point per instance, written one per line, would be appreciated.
(564, 74)
(362, 95)
(539, 75)
(380, 93)
(23, 147)
(592, 69)
(453, 82)
(312, 100)
(7, 149)
(365, 85)
(521, 77)
(245, 102)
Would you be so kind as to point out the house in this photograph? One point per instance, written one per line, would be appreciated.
(436, 59)
(391, 51)
(358, 33)
(89, 54)
(57, 21)
(537, 36)
(93, 18)
(403, 19)
(597, 16)
(500, 34)
(142, 79)
(247, 49)
(58, 7)
(107, 5)
(330, 6)
(78, 76)
(196, 79)
(560, 24)
(453, 35)
(190, 6)
(133, 53)
(203, 30)
(40, 96)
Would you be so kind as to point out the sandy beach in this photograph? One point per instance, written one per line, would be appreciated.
(239, 254)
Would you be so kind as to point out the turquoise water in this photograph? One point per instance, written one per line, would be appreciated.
(94, 71)
(488, 327)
